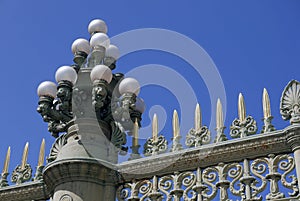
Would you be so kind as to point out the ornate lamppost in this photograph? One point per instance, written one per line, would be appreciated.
(89, 112)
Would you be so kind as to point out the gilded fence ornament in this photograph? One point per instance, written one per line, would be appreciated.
(176, 145)
(290, 102)
(220, 137)
(39, 169)
(4, 174)
(156, 144)
(200, 134)
(268, 127)
(244, 125)
(23, 172)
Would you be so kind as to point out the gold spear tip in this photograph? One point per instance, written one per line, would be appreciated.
(266, 104)
(25, 155)
(41, 154)
(6, 162)
(175, 124)
(219, 119)
(154, 127)
(198, 117)
(241, 108)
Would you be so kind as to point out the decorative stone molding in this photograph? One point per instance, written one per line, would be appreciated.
(66, 198)
(70, 170)
(206, 155)
(290, 102)
(36, 190)
(293, 137)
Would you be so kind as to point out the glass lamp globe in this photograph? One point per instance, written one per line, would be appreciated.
(112, 51)
(140, 105)
(129, 85)
(99, 39)
(66, 73)
(81, 45)
(96, 26)
(47, 88)
(101, 72)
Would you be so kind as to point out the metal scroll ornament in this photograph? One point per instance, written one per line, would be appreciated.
(242, 128)
(153, 147)
(273, 165)
(196, 138)
(21, 174)
(290, 102)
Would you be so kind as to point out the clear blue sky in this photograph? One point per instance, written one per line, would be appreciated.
(254, 44)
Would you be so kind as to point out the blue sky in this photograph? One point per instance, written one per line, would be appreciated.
(253, 44)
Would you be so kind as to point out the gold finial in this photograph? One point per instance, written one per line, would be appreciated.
(175, 124)
(241, 108)
(42, 154)
(198, 117)
(6, 163)
(135, 140)
(25, 155)
(219, 115)
(154, 128)
(266, 104)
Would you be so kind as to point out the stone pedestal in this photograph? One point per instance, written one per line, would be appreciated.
(81, 180)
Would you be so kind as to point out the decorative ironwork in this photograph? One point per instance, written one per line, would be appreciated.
(176, 145)
(220, 137)
(57, 112)
(245, 181)
(268, 126)
(290, 102)
(243, 126)
(239, 129)
(3, 180)
(200, 134)
(21, 174)
(273, 164)
(196, 138)
(39, 173)
(155, 146)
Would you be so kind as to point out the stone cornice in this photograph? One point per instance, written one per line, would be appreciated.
(25, 192)
(232, 150)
